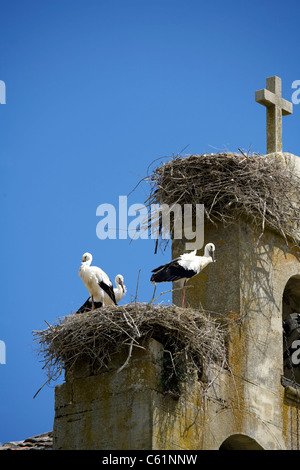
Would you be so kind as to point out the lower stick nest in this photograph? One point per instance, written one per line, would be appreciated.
(192, 339)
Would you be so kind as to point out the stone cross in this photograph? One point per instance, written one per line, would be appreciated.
(276, 108)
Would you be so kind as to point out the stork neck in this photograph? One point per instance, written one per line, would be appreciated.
(206, 253)
(84, 266)
(119, 288)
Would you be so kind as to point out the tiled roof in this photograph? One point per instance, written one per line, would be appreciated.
(40, 442)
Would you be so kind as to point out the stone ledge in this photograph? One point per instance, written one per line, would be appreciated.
(291, 391)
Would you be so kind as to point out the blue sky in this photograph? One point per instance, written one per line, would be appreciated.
(95, 91)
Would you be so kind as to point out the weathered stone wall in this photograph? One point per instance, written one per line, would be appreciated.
(249, 279)
(246, 405)
(112, 410)
(127, 410)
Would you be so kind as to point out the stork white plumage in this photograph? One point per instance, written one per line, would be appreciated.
(184, 267)
(96, 281)
(119, 291)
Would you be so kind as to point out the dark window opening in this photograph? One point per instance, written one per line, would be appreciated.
(291, 330)
(240, 442)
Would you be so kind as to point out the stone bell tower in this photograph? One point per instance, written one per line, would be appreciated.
(250, 402)
(256, 403)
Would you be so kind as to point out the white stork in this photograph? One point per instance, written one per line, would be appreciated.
(184, 267)
(119, 291)
(96, 281)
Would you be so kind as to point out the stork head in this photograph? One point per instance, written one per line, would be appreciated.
(87, 258)
(210, 251)
(119, 280)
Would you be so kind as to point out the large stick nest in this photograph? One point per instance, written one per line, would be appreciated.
(191, 338)
(262, 188)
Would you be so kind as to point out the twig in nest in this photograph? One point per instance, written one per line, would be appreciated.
(171, 357)
(137, 285)
(134, 325)
(154, 290)
(128, 358)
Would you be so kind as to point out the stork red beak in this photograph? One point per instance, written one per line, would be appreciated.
(212, 255)
(122, 285)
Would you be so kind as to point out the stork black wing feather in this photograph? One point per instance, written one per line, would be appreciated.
(109, 291)
(171, 272)
(165, 265)
(87, 306)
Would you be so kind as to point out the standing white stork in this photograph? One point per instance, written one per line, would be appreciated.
(184, 267)
(96, 281)
(119, 291)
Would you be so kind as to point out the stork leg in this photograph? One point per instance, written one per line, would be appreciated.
(183, 295)
(93, 305)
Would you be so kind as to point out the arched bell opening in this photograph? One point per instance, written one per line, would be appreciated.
(240, 442)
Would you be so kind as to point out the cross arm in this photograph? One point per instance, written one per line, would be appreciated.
(268, 98)
(287, 107)
(265, 97)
